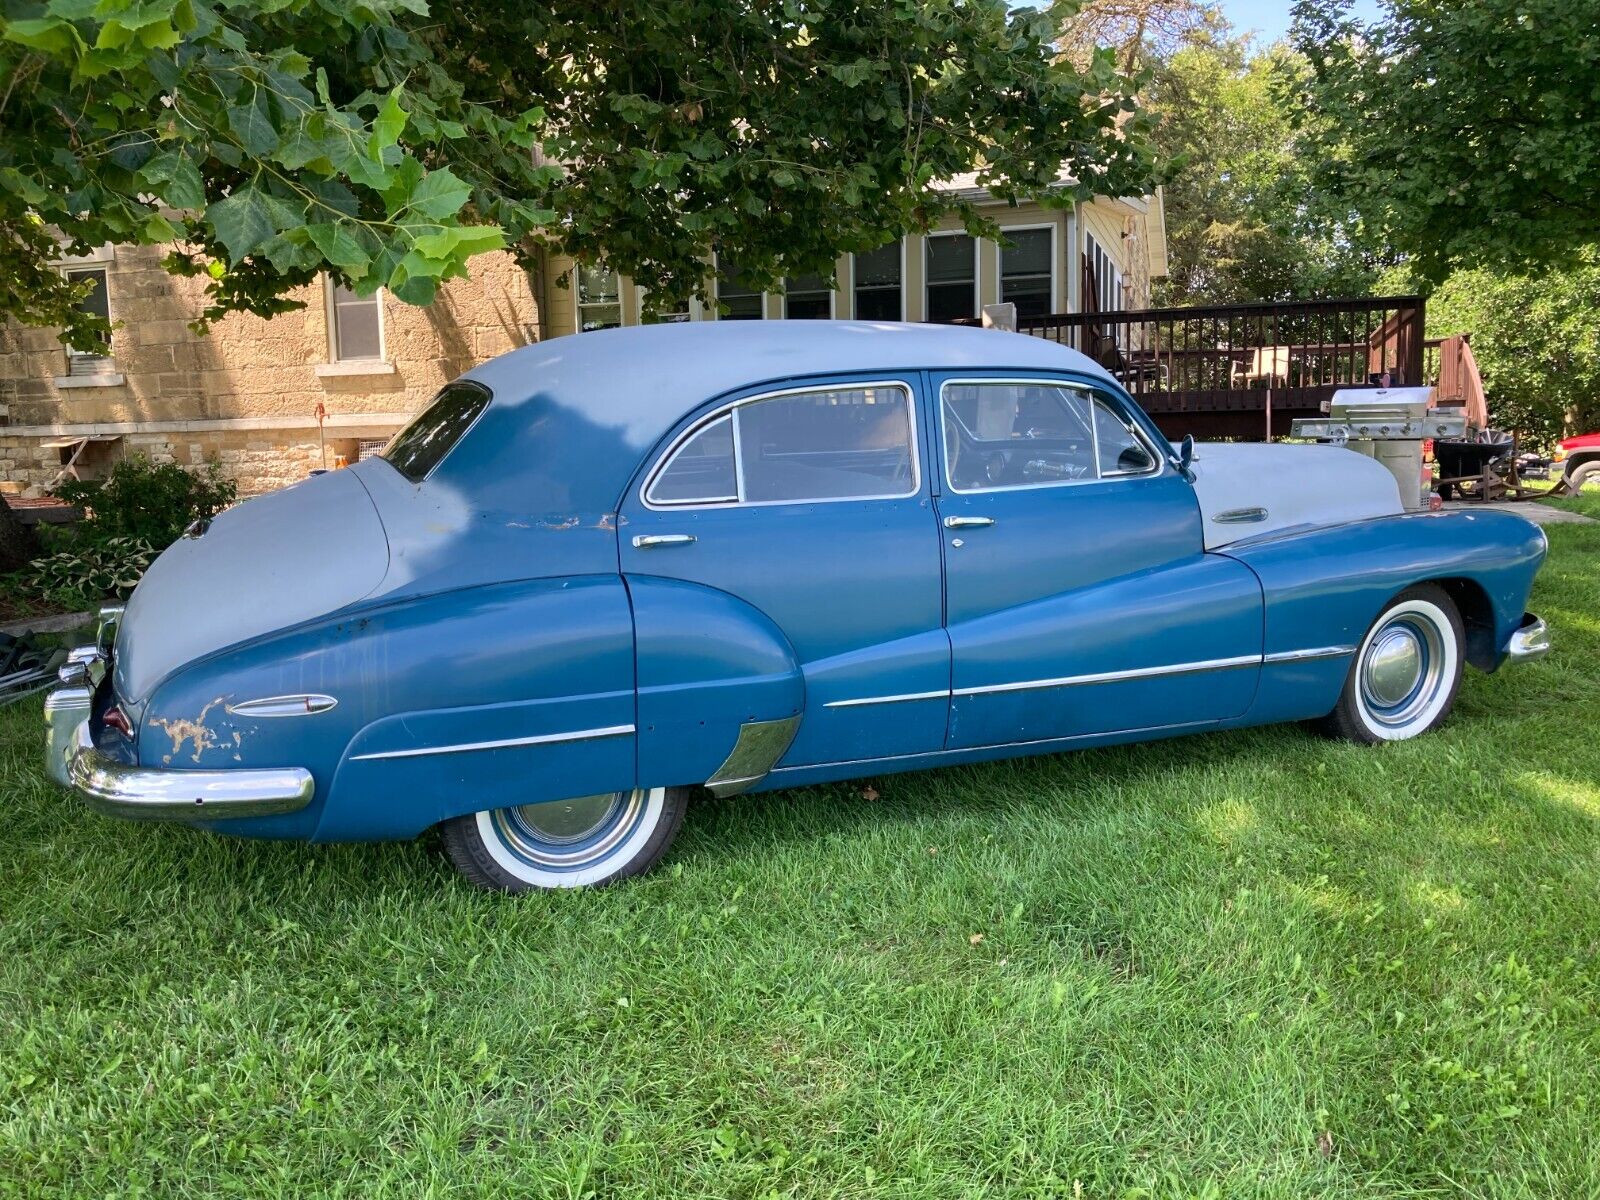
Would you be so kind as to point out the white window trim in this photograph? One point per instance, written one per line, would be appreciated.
(927, 280)
(353, 366)
(1055, 267)
(716, 294)
(833, 297)
(578, 303)
(101, 258)
(901, 289)
(664, 460)
(1090, 244)
(696, 309)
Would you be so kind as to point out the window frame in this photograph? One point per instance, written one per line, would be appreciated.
(88, 357)
(579, 304)
(833, 300)
(927, 277)
(1111, 283)
(1094, 393)
(900, 287)
(1055, 265)
(664, 459)
(329, 294)
(696, 309)
(488, 402)
(716, 295)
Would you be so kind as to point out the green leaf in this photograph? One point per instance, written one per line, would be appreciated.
(341, 248)
(389, 124)
(461, 241)
(439, 194)
(243, 222)
(49, 34)
(252, 124)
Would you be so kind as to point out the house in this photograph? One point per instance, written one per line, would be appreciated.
(249, 393)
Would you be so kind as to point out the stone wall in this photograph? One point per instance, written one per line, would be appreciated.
(246, 392)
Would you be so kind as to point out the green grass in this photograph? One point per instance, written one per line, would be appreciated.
(1198, 960)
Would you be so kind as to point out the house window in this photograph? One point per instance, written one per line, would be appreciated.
(357, 324)
(97, 303)
(599, 298)
(1107, 279)
(952, 289)
(1027, 271)
(807, 298)
(684, 310)
(877, 284)
(738, 300)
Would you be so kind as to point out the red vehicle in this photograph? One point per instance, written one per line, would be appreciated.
(1579, 457)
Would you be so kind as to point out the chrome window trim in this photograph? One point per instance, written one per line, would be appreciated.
(665, 458)
(471, 425)
(1094, 436)
(738, 479)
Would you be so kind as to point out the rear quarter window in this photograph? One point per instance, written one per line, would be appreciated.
(421, 446)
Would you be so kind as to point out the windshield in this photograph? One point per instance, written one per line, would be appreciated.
(422, 445)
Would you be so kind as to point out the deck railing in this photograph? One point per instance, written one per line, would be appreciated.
(1242, 370)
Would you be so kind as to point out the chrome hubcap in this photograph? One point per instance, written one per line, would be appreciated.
(1394, 665)
(1403, 671)
(562, 822)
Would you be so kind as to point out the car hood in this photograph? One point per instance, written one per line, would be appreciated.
(1249, 489)
(263, 565)
(1582, 442)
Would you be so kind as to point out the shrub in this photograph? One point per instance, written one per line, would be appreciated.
(149, 502)
(88, 573)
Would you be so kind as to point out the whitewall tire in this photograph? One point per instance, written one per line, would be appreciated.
(1405, 674)
(587, 841)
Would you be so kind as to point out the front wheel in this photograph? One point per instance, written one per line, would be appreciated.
(588, 841)
(1588, 472)
(1406, 671)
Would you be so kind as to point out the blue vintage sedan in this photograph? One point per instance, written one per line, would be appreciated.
(599, 573)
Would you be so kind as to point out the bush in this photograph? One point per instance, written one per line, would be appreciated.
(149, 502)
(87, 574)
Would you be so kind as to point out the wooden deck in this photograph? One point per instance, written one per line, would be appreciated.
(1246, 370)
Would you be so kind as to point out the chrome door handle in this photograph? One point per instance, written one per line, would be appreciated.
(646, 541)
(967, 522)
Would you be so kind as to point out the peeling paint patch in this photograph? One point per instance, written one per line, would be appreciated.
(196, 731)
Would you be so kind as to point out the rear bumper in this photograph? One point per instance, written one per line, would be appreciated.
(1530, 641)
(151, 793)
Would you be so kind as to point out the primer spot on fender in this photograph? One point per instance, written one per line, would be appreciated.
(196, 731)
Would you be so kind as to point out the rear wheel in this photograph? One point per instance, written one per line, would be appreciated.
(588, 841)
(1406, 671)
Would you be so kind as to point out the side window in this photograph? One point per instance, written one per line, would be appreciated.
(826, 444)
(702, 471)
(1119, 448)
(1009, 434)
(421, 445)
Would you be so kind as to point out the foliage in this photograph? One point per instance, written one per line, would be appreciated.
(149, 502)
(1249, 964)
(1238, 227)
(1463, 132)
(89, 572)
(1536, 339)
(1139, 32)
(386, 145)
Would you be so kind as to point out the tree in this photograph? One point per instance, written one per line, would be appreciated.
(1536, 339)
(1238, 226)
(1138, 32)
(1462, 132)
(275, 139)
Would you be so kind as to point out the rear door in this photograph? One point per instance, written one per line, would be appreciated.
(810, 504)
(1079, 600)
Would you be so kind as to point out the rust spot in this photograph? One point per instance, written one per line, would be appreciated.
(196, 731)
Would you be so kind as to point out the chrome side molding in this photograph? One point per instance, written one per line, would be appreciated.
(756, 751)
(283, 706)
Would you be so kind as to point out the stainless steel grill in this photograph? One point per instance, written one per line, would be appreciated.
(1390, 425)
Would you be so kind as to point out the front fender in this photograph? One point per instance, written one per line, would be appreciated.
(1324, 588)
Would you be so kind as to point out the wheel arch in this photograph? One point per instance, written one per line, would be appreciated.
(1472, 601)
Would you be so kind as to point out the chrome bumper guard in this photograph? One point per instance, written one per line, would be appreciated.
(1530, 641)
(150, 793)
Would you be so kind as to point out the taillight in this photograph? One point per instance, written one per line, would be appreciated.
(117, 720)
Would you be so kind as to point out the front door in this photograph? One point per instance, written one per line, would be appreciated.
(1079, 599)
(811, 506)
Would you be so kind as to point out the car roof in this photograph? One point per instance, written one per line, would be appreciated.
(577, 413)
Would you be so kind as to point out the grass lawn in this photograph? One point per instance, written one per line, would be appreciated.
(1247, 964)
